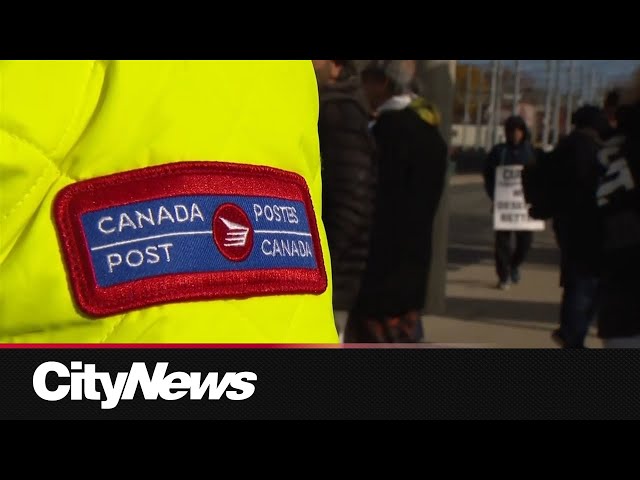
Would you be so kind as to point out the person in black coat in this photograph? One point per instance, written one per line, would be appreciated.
(618, 197)
(576, 166)
(412, 159)
(348, 176)
(517, 150)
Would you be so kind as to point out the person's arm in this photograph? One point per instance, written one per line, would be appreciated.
(393, 170)
(348, 175)
(436, 164)
(489, 172)
(586, 167)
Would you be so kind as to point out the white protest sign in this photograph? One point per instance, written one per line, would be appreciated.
(510, 211)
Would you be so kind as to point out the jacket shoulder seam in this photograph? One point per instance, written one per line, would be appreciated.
(76, 111)
(50, 165)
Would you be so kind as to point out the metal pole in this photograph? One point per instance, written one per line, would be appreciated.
(479, 99)
(597, 89)
(437, 79)
(604, 85)
(498, 105)
(558, 104)
(569, 97)
(467, 95)
(580, 85)
(516, 89)
(492, 102)
(547, 105)
(467, 100)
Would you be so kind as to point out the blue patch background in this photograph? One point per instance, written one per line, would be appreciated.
(190, 253)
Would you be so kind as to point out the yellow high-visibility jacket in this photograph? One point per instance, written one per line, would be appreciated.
(63, 123)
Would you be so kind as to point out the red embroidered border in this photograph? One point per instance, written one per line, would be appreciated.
(171, 180)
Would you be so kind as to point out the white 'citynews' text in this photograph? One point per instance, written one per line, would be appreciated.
(83, 381)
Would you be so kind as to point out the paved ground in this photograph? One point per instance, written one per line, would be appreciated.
(478, 314)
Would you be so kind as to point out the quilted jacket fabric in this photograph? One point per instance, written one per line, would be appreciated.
(66, 121)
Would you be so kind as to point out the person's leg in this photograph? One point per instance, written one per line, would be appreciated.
(561, 334)
(340, 318)
(622, 342)
(353, 328)
(524, 240)
(578, 308)
(503, 255)
(590, 293)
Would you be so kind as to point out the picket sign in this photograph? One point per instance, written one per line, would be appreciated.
(510, 211)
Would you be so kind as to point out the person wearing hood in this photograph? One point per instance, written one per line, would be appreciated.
(348, 176)
(576, 168)
(412, 162)
(516, 150)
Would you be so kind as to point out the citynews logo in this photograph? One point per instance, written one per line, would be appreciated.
(83, 380)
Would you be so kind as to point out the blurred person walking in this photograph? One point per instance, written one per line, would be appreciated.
(412, 158)
(517, 150)
(574, 164)
(618, 198)
(348, 177)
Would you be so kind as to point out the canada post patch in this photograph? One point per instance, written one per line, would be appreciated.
(188, 231)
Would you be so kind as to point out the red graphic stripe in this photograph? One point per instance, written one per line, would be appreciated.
(94, 346)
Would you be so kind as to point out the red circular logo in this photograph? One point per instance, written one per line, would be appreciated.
(232, 232)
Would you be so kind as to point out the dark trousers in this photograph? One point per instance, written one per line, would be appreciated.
(508, 258)
(578, 309)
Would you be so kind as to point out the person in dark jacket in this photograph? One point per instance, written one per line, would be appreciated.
(618, 198)
(412, 159)
(348, 176)
(516, 150)
(575, 163)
